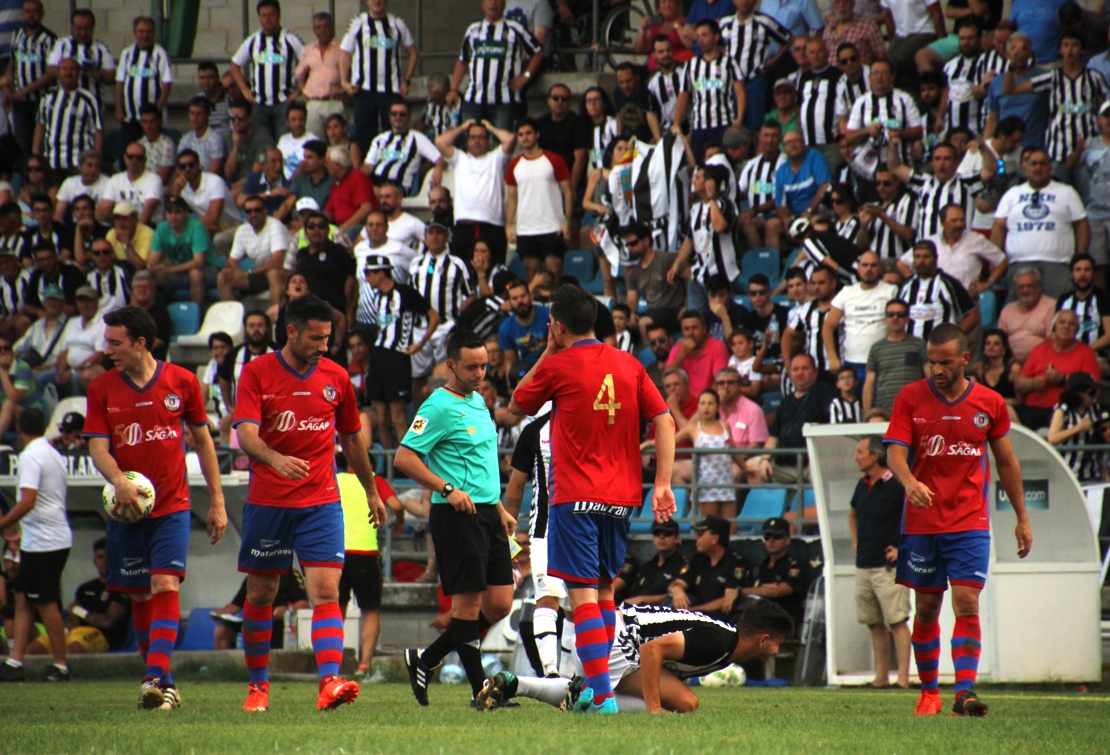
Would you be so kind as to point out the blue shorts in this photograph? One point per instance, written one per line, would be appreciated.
(148, 546)
(586, 542)
(271, 534)
(927, 563)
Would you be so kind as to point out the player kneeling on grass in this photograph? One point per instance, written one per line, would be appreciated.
(692, 644)
(290, 406)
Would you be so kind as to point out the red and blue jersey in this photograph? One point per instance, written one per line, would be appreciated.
(298, 415)
(145, 427)
(599, 395)
(947, 445)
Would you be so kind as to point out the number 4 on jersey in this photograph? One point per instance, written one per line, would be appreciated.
(608, 391)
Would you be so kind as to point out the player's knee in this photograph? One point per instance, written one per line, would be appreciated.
(687, 703)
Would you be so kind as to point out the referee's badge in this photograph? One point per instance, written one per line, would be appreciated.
(981, 420)
(418, 424)
(172, 402)
(330, 393)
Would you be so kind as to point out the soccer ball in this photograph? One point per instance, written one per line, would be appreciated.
(146, 497)
(732, 676)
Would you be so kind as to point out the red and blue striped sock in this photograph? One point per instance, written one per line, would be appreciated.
(165, 619)
(609, 616)
(258, 630)
(592, 645)
(926, 652)
(966, 646)
(140, 616)
(327, 638)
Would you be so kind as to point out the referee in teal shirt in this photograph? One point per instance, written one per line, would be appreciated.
(470, 528)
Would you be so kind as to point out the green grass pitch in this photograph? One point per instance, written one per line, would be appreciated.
(100, 717)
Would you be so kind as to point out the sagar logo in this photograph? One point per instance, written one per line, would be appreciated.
(133, 434)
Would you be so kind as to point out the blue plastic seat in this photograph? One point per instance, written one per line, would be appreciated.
(185, 317)
(644, 518)
(516, 267)
(761, 504)
(646, 357)
(579, 264)
(744, 302)
(988, 309)
(762, 260)
(771, 402)
(199, 632)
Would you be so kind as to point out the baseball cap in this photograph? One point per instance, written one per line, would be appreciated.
(377, 262)
(53, 292)
(715, 524)
(776, 525)
(784, 82)
(1082, 381)
(669, 527)
(86, 292)
(124, 208)
(307, 203)
(176, 203)
(72, 421)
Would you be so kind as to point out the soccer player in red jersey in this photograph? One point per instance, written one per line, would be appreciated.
(942, 426)
(290, 404)
(599, 395)
(135, 422)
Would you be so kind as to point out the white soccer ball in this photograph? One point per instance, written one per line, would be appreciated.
(146, 497)
(732, 676)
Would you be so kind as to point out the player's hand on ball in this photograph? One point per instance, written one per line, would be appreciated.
(461, 502)
(919, 495)
(291, 468)
(127, 500)
(1024, 538)
(663, 503)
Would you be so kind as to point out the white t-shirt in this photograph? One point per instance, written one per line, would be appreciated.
(211, 187)
(1041, 230)
(46, 527)
(480, 186)
(292, 150)
(863, 322)
(82, 341)
(910, 16)
(261, 246)
(72, 188)
(400, 255)
(407, 230)
(971, 165)
(746, 368)
(149, 186)
(539, 206)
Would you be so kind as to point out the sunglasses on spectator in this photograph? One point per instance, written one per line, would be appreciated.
(398, 114)
(101, 252)
(896, 314)
(38, 168)
(594, 100)
(659, 341)
(884, 183)
(850, 59)
(316, 226)
(5, 349)
(757, 292)
(558, 97)
(253, 210)
(839, 200)
(185, 166)
(770, 536)
(130, 156)
(239, 117)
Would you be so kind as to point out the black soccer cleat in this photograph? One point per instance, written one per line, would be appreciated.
(56, 674)
(574, 691)
(9, 673)
(418, 676)
(497, 692)
(968, 704)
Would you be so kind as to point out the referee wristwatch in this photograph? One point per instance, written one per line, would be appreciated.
(448, 489)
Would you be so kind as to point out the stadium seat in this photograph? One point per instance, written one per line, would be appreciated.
(763, 260)
(784, 300)
(790, 259)
(64, 407)
(646, 357)
(516, 267)
(743, 301)
(644, 518)
(579, 264)
(771, 402)
(198, 634)
(761, 503)
(185, 316)
(226, 316)
(988, 309)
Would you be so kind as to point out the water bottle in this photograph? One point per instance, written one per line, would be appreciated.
(774, 328)
(291, 641)
(492, 665)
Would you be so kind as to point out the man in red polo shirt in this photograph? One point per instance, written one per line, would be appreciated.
(352, 197)
(1046, 371)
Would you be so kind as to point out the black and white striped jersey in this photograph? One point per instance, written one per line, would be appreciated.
(807, 320)
(70, 120)
(817, 105)
(843, 412)
(439, 118)
(94, 54)
(712, 99)
(989, 62)
(1083, 464)
(443, 280)
(847, 93)
(821, 244)
(15, 244)
(30, 53)
(624, 342)
(709, 643)
(716, 250)
(114, 286)
(723, 160)
(532, 456)
(13, 293)
(933, 195)
(270, 63)
(495, 54)
(757, 179)
(396, 157)
(483, 315)
(1071, 105)
(933, 301)
(664, 89)
(143, 73)
(1090, 311)
(848, 229)
(235, 361)
(889, 245)
(749, 42)
(600, 136)
(398, 314)
(963, 109)
(375, 46)
(894, 110)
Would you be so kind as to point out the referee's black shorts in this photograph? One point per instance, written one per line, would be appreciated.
(362, 575)
(40, 575)
(541, 246)
(390, 376)
(472, 550)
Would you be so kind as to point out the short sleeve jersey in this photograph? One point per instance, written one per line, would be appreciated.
(145, 427)
(947, 445)
(600, 394)
(298, 415)
(458, 436)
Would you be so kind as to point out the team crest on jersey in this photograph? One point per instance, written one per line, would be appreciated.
(330, 393)
(419, 424)
(981, 420)
(738, 572)
(793, 573)
(172, 401)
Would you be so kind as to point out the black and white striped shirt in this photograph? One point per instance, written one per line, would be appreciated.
(95, 55)
(30, 53)
(113, 286)
(842, 411)
(708, 642)
(143, 73)
(15, 244)
(933, 195)
(664, 89)
(988, 62)
(712, 99)
(757, 179)
(271, 63)
(1071, 104)
(532, 456)
(600, 136)
(894, 110)
(888, 244)
(484, 315)
(399, 313)
(848, 229)
(934, 301)
(716, 250)
(439, 118)
(847, 93)
(749, 42)
(13, 294)
(624, 342)
(375, 47)
(443, 280)
(1083, 464)
(495, 54)
(396, 157)
(234, 363)
(817, 106)
(1089, 310)
(807, 320)
(71, 121)
(963, 109)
